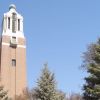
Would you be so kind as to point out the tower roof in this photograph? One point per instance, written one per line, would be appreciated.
(12, 6)
(12, 23)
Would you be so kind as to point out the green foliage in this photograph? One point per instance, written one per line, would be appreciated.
(46, 86)
(92, 66)
(3, 94)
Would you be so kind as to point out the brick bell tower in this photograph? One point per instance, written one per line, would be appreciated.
(13, 53)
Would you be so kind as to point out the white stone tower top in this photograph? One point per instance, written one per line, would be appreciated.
(12, 23)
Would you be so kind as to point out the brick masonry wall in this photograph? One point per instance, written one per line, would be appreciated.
(13, 78)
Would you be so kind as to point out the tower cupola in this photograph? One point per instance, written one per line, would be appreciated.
(12, 6)
(12, 24)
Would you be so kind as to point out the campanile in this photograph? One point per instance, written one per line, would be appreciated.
(13, 53)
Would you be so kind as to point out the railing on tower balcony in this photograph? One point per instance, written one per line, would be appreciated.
(13, 42)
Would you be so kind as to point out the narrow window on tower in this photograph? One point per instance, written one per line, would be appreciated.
(18, 24)
(14, 17)
(14, 62)
(8, 22)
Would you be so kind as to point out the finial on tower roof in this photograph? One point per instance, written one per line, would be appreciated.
(12, 6)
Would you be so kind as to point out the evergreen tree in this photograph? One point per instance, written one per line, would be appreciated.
(46, 86)
(92, 66)
(3, 94)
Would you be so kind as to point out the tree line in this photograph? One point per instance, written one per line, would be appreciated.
(46, 88)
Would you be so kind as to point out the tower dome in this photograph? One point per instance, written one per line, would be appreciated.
(12, 6)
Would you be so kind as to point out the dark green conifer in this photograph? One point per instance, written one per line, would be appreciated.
(92, 65)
